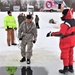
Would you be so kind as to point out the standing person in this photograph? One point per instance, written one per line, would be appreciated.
(67, 40)
(28, 34)
(10, 25)
(21, 18)
(37, 21)
(31, 13)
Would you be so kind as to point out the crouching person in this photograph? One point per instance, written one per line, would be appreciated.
(27, 33)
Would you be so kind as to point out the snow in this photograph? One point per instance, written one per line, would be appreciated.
(46, 52)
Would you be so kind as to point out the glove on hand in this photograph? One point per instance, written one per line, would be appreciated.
(20, 38)
(34, 41)
(15, 28)
(48, 34)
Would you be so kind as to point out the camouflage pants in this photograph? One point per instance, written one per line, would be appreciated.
(26, 49)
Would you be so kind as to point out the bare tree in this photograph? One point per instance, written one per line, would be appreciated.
(18, 2)
(69, 2)
(41, 3)
(73, 5)
(24, 5)
(1, 6)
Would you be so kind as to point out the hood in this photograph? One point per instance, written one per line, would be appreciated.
(69, 14)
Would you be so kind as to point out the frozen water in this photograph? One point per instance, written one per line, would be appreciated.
(46, 52)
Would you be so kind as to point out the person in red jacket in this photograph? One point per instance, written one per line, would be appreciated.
(67, 40)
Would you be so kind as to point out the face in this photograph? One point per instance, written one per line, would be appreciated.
(10, 14)
(28, 20)
(62, 7)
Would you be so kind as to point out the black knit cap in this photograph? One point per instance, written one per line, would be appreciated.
(28, 16)
(65, 12)
(9, 12)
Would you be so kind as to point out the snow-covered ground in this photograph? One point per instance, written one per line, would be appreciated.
(46, 52)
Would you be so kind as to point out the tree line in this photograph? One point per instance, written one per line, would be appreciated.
(37, 4)
(23, 5)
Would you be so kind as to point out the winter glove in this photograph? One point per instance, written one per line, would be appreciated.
(20, 38)
(15, 28)
(34, 41)
(48, 34)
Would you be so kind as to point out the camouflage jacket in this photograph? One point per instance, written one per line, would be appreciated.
(21, 19)
(27, 31)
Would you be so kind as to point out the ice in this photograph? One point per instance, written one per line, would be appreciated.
(46, 52)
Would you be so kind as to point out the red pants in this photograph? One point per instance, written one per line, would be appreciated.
(67, 56)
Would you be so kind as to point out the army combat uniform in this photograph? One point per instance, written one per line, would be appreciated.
(28, 33)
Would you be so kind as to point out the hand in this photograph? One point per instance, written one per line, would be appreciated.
(6, 29)
(15, 28)
(48, 34)
(20, 38)
(34, 41)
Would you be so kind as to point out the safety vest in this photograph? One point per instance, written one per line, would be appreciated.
(11, 70)
(9, 22)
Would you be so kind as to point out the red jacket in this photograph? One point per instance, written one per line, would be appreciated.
(65, 29)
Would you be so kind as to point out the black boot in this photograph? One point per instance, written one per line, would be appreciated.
(28, 61)
(65, 70)
(23, 59)
(8, 45)
(71, 69)
(14, 44)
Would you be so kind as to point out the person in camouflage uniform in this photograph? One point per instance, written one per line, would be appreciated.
(21, 18)
(28, 34)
